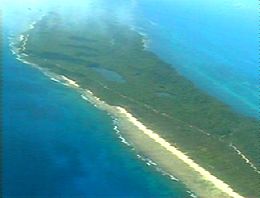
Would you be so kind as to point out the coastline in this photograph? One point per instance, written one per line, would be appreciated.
(127, 123)
(199, 180)
(141, 136)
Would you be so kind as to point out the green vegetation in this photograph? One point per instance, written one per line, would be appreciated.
(151, 90)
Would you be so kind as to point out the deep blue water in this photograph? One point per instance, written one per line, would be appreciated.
(57, 145)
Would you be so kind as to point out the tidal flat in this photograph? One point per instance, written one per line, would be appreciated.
(197, 124)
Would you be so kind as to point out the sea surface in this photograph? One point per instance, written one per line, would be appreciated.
(58, 145)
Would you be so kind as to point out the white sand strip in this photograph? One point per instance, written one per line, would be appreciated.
(220, 185)
(223, 187)
(204, 173)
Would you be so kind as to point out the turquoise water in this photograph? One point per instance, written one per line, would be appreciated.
(212, 43)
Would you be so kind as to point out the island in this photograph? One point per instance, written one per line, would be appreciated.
(195, 137)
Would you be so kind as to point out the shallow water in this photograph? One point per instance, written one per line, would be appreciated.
(212, 43)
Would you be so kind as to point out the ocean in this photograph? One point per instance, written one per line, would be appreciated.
(58, 145)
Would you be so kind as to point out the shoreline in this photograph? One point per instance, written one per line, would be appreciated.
(127, 122)
(215, 186)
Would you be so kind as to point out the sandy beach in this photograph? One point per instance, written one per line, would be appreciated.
(158, 150)
(150, 144)
(212, 186)
(168, 157)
